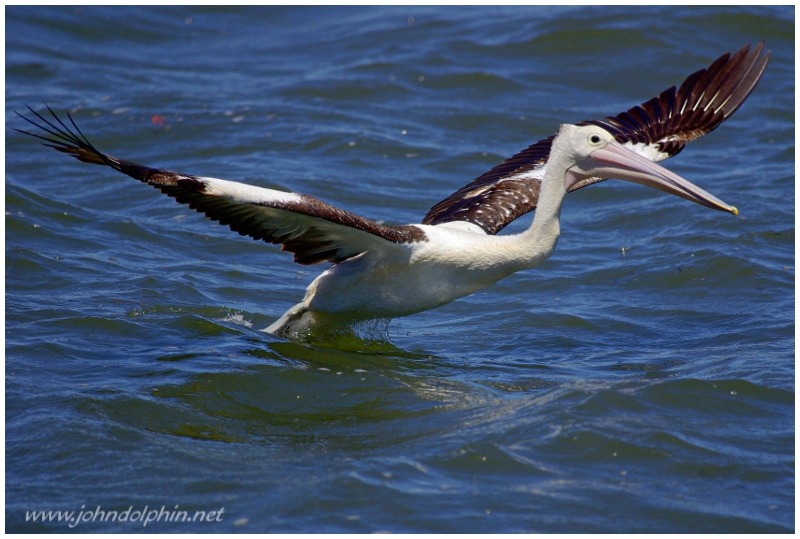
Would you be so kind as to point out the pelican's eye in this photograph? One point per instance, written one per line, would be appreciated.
(595, 139)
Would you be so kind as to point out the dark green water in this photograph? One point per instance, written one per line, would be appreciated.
(641, 380)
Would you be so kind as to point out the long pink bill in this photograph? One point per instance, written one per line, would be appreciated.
(616, 161)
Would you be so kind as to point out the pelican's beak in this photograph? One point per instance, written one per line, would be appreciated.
(616, 161)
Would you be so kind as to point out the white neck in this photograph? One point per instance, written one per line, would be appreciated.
(538, 242)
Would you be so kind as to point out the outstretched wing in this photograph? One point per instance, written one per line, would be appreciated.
(308, 227)
(657, 129)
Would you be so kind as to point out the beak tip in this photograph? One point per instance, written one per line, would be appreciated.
(734, 210)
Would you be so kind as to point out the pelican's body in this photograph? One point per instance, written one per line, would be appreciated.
(382, 271)
(451, 263)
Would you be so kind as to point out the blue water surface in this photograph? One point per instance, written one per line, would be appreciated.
(641, 380)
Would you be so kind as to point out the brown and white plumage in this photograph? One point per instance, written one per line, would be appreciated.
(382, 271)
(311, 229)
(658, 129)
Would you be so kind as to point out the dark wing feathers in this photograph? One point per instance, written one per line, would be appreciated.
(492, 203)
(315, 231)
(308, 227)
(665, 124)
(705, 99)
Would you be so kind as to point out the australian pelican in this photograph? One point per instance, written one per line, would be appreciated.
(383, 271)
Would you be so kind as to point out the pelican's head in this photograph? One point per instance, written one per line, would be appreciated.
(597, 155)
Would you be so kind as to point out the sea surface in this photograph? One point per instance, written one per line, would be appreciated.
(641, 380)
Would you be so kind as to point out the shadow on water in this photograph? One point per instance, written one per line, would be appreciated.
(370, 337)
(298, 394)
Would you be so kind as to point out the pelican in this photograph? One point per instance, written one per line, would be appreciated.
(382, 271)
